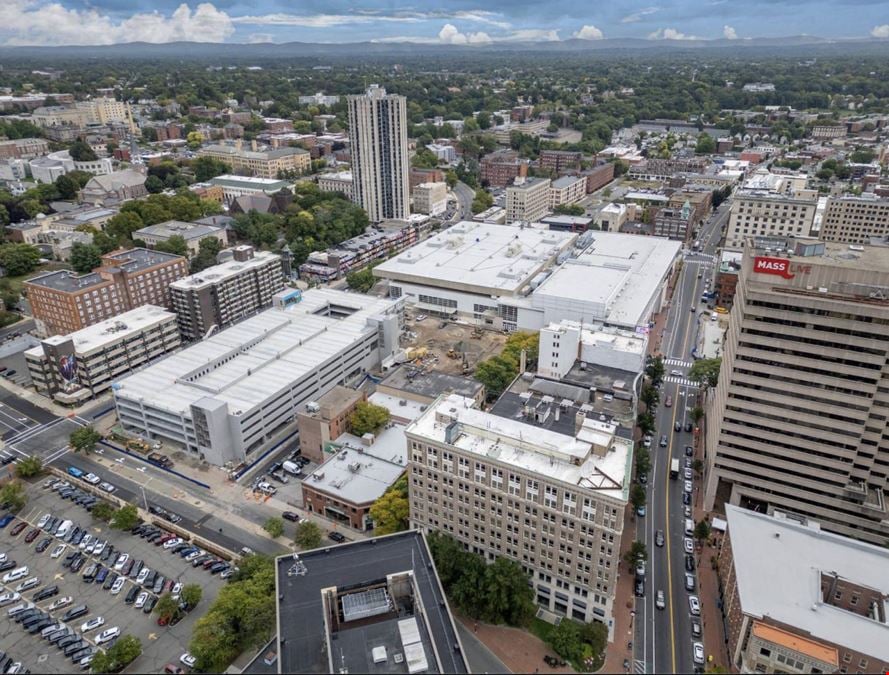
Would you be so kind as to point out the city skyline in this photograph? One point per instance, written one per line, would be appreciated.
(78, 22)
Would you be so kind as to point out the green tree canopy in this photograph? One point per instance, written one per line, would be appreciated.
(362, 280)
(13, 493)
(82, 152)
(125, 518)
(123, 652)
(29, 467)
(368, 418)
(391, 511)
(308, 535)
(705, 372)
(85, 257)
(19, 259)
(84, 439)
(274, 526)
(205, 168)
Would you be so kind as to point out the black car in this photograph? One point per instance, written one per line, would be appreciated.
(81, 654)
(77, 564)
(689, 426)
(45, 593)
(291, 516)
(149, 604)
(109, 581)
(106, 554)
(54, 637)
(686, 498)
(137, 567)
(689, 451)
(138, 528)
(690, 563)
(131, 596)
(75, 647)
(43, 544)
(337, 537)
(40, 625)
(639, 588)
(7, 565)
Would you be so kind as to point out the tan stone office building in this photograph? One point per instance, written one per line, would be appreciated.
(855, 220)
(798, 420)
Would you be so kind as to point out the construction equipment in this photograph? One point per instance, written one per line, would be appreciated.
(452, 354)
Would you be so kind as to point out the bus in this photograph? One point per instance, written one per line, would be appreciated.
(674, 468)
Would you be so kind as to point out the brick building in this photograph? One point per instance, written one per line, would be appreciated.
(560, 161)
(501, 168)
(326, 419)
(599, 176)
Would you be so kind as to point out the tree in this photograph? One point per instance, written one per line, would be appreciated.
(569, 210)
(506, 595)
(167, 607)
(655, 370)
(122, 225)
(205, 168)
(191, 595)
(9, 294)
(13, 493)
(702, 530)
(705, 372)
(643, 461)
(496, 373)
(125, 650)
(175, 245)
(565, 640)
(103, 511)
(636, 552)
(705, 145)
(194, 140)
(19, 259)
(274, 526)
(125, 518)
(362, 280)
(154, 184)
(85, 257)
(483, 200)
(368, 418)
(391, 512)
(649, 396)
(697, 414)
(645, 422)
(84, 439)
(697, 466)
(29, 467)
(67, 187)
(82, 152)
(308, 535)
(637, 496)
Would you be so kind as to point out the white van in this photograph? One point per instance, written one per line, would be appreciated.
(292, 468)
(689, 527)
(16, 574)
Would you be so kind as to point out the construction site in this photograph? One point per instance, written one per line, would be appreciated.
(452, 347)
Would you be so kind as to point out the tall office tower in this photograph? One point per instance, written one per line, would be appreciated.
(380, 161)
(797, 421)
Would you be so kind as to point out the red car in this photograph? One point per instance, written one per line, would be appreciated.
(32, 535)
(17, 530)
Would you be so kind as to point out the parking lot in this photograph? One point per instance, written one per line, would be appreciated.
(160, 644)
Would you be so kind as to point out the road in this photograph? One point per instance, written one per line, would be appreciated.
(663, 639)
(465, 195)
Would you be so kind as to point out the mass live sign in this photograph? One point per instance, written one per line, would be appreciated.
(778, 266)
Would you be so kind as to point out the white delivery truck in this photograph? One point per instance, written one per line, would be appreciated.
(292, 468)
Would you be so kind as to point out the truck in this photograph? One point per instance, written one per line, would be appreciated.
(292, 468)
(674, 468)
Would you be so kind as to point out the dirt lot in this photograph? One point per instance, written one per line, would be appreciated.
(439, 336)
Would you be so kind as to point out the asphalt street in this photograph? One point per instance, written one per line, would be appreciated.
(663, 638)
(465, 195)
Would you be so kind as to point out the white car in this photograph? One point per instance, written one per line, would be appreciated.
(92, 624)
(688, 545)
(175, 541)
(61, 602)
(698, 649)
(16, 574)
(192, 556)
(107, 635)
(92, 479)
(176, 590)
(107, 487)
(28, 584)
(9, 597)
(117, 585)
(99, 547)
(141, 600)
(44, 519)
(676, 372)
(143, 575)
(694, 605)
(58, 551)
(687, 486)
(687, 474)
(187, 660)
(121, 561)
(86, 541)
(3, 557)
(660, 602)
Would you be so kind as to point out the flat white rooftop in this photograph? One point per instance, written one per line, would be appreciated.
(481, 257)
(253, 360)
(779, 562)
(553, 455)
(618, 273)
(111, 330)
(223, 271)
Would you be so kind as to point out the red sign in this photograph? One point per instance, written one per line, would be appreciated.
(777, 266)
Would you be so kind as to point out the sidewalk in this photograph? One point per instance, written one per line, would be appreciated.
(520, 650)
(623, 610)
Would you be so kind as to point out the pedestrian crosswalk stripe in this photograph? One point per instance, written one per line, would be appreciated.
(672, 379)
(678, 362)
(638, 666)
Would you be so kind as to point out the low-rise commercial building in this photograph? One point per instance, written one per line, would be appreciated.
(364, 607)
(407, 391)
(192, 233)
(674, 223)
(726, 280)
(321, 421)
(239, 186)
(552, 502)
(564, 344)
(224, 294)
(232, 394)
(82, 365)
(527, 200)
(797, 420)
(444, 153)
(336, 182)
(797, 599)
(262, 164)
(64, 302)
(23, 148)
(430, 199)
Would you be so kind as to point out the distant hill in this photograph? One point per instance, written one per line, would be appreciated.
(793, 45)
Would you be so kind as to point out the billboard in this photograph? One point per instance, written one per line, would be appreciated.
(68, 367)
(777, 266)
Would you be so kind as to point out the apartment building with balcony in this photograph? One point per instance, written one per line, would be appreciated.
(552, 502)
(798, 419)
(64, 302)
(223, 294)
(84, 364)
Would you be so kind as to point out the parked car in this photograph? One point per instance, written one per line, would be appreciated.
(107, 635)
(694, 605)
(92, 624)
(187, 660)
(291, 516)
(337, 537)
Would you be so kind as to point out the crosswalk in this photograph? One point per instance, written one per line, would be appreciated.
(678, 362)
(638, 666)
(682, 381)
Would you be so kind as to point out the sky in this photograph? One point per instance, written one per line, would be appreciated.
(458, 22)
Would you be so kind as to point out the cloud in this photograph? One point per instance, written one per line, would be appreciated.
(531, 35)
(449, 35)
(259, 38)
(670, 34)
(31, 22)
(589, 32)
(369, 16)
(637, 15)
(881, 31)
(729, 33)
